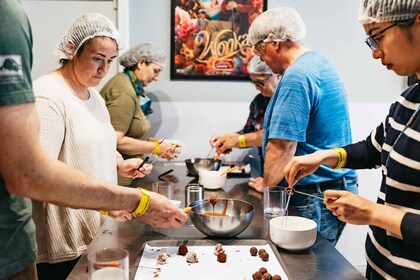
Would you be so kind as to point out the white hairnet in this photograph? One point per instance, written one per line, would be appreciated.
(86, 27)
(257, 66)
(278, 24)
(387, 10)
(150, 53)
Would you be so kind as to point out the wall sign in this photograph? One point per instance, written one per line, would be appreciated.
(209, 38)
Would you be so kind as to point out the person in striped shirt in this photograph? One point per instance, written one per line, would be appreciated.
(393, 240)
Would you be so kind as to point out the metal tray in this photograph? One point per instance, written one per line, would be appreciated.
(211, 242)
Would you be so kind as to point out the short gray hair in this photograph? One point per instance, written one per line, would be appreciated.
(148, 52)
(257, 66)
(278, 24)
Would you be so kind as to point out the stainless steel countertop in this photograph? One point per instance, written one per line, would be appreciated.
(321, 261)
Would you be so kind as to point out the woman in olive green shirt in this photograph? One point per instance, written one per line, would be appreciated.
(129, 106)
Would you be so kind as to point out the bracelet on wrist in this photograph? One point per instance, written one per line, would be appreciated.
(242, 142)
(103, 212)
(156, 151)
(342, 157)
(143, 204)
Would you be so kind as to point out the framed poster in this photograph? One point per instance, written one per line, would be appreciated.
(209, 38)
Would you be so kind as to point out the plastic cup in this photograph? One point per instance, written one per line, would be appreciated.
(164, 188)
(275, 200)
(108, 264)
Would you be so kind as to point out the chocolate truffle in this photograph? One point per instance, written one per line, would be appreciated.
(257, 276)
(253, 251)
(192, 257)
(260, 251)
(161, 258)
(263, 270)
(182, 250)
(264, 256)
(276, 277)
(218, 249)
(221, 257)
(266, 276)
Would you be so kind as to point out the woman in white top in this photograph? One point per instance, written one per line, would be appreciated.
(76, 129)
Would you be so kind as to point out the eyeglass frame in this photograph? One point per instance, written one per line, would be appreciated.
(373, 44)
(261, 83)
(257, 50)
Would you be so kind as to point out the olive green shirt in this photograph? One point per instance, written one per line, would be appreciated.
(125, 111)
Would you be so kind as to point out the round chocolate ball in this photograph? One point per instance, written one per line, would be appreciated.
(221, 257)
(253, 251)
(182, 250)
(263, 270)
(257, 276)
(266, 276)
(264, 256)
(260, 251)
(276, 277)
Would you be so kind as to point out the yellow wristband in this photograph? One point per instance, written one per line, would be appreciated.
(143, 204)
(242, 142)
(227, 135)
(156, 151)
(103, 212)
(342, 157)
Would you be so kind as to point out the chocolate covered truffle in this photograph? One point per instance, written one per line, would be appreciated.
(260, 251)
(257, 276)
(221, 257)
(276, 277)
(161, 258)
(263, 270)
(264, 256)
(192, 257)
(218, 249)
(266, 276)
(182, 250)
(253, 251)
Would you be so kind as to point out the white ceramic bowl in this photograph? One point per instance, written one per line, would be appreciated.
(212, 179)
(293, 233)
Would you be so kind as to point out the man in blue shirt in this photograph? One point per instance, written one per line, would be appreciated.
(308, 112)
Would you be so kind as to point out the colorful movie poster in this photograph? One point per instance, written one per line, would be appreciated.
(210, 38)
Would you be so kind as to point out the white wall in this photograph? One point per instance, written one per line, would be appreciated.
(192, 111)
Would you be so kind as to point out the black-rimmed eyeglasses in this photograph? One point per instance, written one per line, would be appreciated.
(372, 43)
(261, 83)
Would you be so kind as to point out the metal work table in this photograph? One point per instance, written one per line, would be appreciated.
(321, 261)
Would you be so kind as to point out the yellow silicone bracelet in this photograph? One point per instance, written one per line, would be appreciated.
(342, 157)
(143, 204)
(103, 212)
(156, 151)
(242, 142)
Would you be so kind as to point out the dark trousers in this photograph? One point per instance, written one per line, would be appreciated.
(55, 271)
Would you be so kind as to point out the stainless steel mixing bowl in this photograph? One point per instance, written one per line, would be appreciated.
(239, 215)
(195, 165)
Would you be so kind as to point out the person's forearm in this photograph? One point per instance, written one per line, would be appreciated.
(130, 146)
(388, 218)
(254, 139)
(28, 171)
(278, 153)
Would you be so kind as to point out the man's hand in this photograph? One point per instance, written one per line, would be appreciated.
(257, 184)
(120, 216)
(162, 214)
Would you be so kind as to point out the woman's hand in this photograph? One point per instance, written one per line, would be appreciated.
(169, 150)
(300, 166)
(128, 168)
(162, 213)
